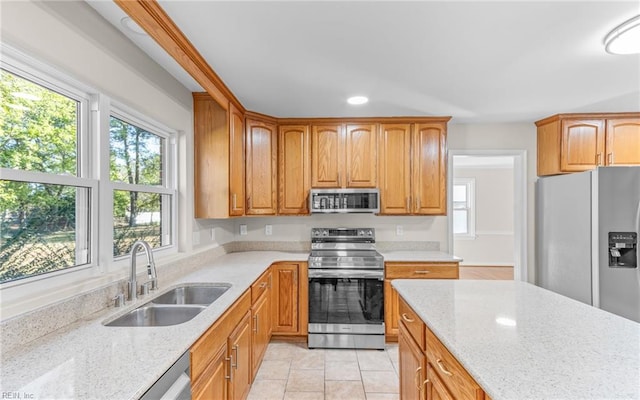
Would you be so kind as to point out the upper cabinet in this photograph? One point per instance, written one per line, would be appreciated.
(237, 162)
(261, 167)
(294, 169)
(343, 156)
(580, 142)
(212, 151)
(413, 168)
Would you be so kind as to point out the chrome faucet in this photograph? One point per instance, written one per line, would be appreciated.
(151, 269)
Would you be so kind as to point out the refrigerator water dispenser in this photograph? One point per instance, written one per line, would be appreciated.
(623, 250)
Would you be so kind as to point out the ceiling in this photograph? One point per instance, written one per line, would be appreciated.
(477, 61)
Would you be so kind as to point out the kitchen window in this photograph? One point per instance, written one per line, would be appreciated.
(46, 195)
(51, 204)
(464, 208)
(141, 177)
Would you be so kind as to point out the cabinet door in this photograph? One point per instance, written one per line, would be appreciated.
(285, 294)
(239, 349)
(261, 168)
(390, 310)
(623, 141)
(236, 162)
(394, 174)
(430, 169)
(211, 158)
(261, 330)
(213, 382)
(361, 156)
(436, 390)
(326, 156)
(582, 145)
(412, 367)
(294, 174)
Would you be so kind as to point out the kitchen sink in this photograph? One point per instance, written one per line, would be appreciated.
(192, 294)
(174, 307)
(157, 315)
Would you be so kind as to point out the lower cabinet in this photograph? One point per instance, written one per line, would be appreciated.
(213, 384)
(290, 298)
(260, 319)
(409, 270)
(430, 371)
(239, 352)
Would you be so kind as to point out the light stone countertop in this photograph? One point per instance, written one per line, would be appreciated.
(418, 256)
(87, 360)
(519, 341)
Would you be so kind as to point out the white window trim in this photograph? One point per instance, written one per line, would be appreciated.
(470, 183)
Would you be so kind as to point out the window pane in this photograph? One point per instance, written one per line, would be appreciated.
(460, 193)
(460, 222)
(38, 225)
(140, 216)
(136, 154)
(39, 127)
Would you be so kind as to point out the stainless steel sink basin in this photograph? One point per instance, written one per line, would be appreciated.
(192, 294)
(157, 315)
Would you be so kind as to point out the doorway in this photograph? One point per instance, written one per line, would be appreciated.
(487, 218)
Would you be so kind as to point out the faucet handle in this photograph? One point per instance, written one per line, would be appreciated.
(154, 284)
(144, 288)
(119, 300)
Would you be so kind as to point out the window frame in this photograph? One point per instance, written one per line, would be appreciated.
(93, 169)
(470, 207)
(169, 176)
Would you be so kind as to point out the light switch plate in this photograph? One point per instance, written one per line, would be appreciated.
(399, 230)
(268, 230)
(243, 229)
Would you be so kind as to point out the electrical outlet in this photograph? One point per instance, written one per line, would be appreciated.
(243, 229)
(268, 230)
(399, 230)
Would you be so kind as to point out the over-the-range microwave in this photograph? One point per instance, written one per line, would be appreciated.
(344, 201)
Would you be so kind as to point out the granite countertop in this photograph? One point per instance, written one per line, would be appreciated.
(87, 360)
(418, 256)
(519, 341)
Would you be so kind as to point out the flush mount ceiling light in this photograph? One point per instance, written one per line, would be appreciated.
(132, 26)
(357, 100)
(625, 38)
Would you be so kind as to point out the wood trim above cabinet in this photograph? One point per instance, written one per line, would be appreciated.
(155, 21)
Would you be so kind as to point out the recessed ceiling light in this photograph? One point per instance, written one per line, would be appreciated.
(357, 100)
(625, 38)
(132, 26)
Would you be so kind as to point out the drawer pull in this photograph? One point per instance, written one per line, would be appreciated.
(442, 368)
(417, 379)
(406, 318)
(263, 285)
(426, 271)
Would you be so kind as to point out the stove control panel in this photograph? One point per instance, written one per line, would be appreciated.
(343, 234)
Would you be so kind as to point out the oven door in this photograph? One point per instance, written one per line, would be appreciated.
(346, 301)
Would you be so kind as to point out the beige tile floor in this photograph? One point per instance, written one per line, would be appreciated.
(291, 371)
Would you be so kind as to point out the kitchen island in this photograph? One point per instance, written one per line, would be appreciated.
(519, 341)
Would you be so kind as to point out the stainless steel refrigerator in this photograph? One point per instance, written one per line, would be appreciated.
(587, 227)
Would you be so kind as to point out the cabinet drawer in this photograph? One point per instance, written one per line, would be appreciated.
(260, 286)
(421, 270)
(412, 322)
(456, 379)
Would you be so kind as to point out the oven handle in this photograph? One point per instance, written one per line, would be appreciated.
(345, 273)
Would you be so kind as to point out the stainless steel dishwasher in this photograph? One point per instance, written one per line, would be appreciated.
(175, 384)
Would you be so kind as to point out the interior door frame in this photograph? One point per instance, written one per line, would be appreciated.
(520, 268)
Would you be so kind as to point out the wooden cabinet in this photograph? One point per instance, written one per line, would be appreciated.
(294, 169)
(409, 270)
(413, 168)
(261, 319)
(344, 156)
(581, 142)
(211, 158)
(261, 167)
(412, 367)
(290, 298)
(236, 162)
(429, 370)
(220, 358)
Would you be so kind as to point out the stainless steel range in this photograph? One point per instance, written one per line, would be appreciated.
(346, 302)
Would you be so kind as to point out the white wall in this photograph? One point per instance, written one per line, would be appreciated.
(512, 136)
(493, 241)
